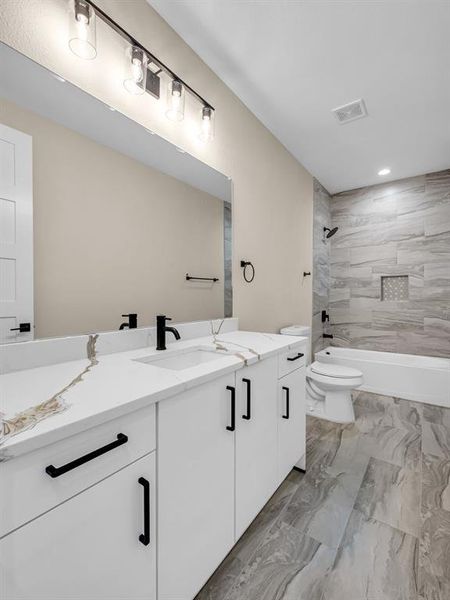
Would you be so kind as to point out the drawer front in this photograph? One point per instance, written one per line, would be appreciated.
(291, 360)
(27, 490)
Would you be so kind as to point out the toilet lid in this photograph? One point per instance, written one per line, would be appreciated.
(332, 370)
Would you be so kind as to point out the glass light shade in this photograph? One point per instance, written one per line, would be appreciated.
(175, 101)
(206, 133)
(136, 71)
(82, 31)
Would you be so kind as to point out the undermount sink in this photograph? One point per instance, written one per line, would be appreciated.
(185, 359)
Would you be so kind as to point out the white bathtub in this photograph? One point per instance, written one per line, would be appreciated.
(420, 378)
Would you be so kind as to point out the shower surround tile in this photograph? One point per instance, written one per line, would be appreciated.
(392, 229)
(321, 266)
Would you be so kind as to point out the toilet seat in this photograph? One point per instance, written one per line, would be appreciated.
(333, 370)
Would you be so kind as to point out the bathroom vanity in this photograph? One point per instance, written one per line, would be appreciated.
(126, 473)
(143, 496)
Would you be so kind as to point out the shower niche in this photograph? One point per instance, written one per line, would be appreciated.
(394, 288)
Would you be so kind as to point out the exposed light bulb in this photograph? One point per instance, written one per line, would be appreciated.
(136, 71)
(82, 37)
(175, 101)
(384, 171)
(206, 133)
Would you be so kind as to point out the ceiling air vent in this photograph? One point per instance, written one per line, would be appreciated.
(351, 111)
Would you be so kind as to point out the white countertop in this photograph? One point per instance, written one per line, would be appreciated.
(116, 385)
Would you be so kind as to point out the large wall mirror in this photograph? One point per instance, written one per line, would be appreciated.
(99, 217)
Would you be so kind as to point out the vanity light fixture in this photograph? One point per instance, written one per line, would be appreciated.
(206, 133)
(143, 69)
(136, 71)
(82, 34)
(175, 101)
(384, 171)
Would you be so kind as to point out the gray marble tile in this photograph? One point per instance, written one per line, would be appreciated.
(437, 414)
(398, 445)
(398, 319)
(437, 220)
(345, 529)
(435, 483)
(287, 566)
(374, 255)
(422, 343)
(374, 562)
(438, 186)
(222, 581)
(355, 336)
(438, 275)
(391, 494)
(374, 410)
(434, 553)
(324, 497)
(436, 440)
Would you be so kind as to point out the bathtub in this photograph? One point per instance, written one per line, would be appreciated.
(420, 378)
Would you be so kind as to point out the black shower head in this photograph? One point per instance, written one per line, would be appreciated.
(330, 233)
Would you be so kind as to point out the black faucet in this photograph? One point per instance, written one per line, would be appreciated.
(161, 329)
(132, 322)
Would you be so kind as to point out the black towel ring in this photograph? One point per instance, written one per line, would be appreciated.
(244, 265)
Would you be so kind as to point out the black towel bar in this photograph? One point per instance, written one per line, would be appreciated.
(189, 277)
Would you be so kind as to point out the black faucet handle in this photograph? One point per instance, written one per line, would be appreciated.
(132, 320)
(168, 318)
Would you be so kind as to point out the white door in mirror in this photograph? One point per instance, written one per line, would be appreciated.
(16, 236)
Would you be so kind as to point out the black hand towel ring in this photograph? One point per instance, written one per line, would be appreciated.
(244, 265)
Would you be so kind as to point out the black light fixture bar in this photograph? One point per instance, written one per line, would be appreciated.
(124, 34)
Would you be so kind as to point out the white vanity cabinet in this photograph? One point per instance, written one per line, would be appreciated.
(89, 547)
(223, 449)
(79, 517)
(256, 440)
(291, 414)
(195, 486)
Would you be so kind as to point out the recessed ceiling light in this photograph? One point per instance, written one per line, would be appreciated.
(180, 150)
(384, 171)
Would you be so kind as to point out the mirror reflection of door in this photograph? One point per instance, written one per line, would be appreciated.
(16, 236)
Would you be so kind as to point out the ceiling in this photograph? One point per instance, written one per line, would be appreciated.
(291, 62)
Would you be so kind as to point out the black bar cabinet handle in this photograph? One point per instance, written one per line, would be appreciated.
(144, 538)
(299, 355)
(247, 416)
(232, 427)
(57, 471)
(286, 416)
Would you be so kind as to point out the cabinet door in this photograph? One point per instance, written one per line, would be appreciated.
(256, 440)
(195, 487)
(291, 421)
(88, 547)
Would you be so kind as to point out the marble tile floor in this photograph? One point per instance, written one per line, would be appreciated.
(370, 520)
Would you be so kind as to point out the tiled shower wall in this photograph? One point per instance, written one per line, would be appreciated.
(321, 271)
(398, 228)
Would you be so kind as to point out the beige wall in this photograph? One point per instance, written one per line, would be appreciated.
(272, 211)
(114, 236)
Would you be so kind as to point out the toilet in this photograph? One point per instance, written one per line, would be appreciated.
(329, 391)
(328, 386)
